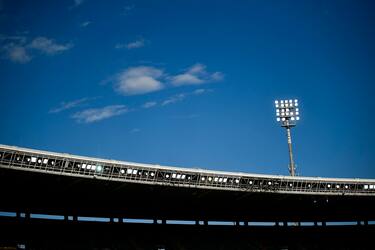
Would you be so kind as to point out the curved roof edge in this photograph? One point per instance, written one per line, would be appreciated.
(156, 166)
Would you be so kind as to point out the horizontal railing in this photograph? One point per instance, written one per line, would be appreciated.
(85, 167)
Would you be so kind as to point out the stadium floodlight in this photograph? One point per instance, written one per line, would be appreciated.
(287, 113)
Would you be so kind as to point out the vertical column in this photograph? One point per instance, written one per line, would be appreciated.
(291, 161)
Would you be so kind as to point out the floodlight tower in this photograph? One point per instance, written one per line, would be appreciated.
(287, 113)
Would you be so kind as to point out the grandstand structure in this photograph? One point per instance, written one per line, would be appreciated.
(43, 193)
(72, 186)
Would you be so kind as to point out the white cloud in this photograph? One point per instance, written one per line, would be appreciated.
(135, 130)
(18, 50)
(132, 45)
(182, 96)
(49, 46)
(199, 91)
(71, 104)
(98, 114)
(16, 53)
(14, 49)
(196, 75)
(174, 99)
(185, 79)
(136, 44)
(139, 80)
(148, 105)
(85, 24)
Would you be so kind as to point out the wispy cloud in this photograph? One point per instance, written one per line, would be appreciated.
(85, 24)
(195, 75)
(201, 91)
(49, 46)
(174, 99)
(182, 96)
(98, 114)
(148, 105)
(16, 53)
(139, 80)
(18, 50)
(71, 104)
(135, 130)
(132, 45)
(13, 48)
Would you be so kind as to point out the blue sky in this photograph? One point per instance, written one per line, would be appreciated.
(192, 83)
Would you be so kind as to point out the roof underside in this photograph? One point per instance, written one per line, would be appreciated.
(63, 195)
